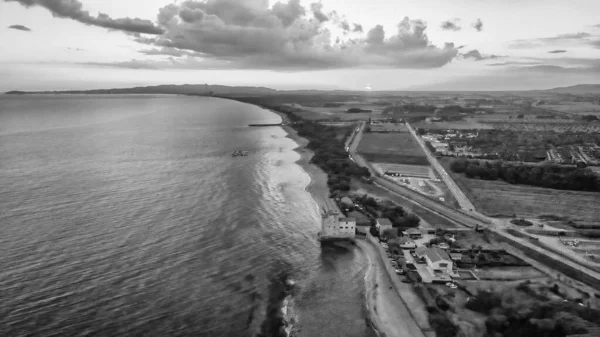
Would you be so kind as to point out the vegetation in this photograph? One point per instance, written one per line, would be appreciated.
(513, 313)
(357, 110)
(521, 222)
(548, 175)
(396, 214)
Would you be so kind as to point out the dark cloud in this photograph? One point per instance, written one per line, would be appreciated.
(476, 55)
(478, 25)
(452, 25)
(357, 28)
(557, 51)
(345, 26)
(73, 9)
(249, 34)
(20, 27)
(317, 10)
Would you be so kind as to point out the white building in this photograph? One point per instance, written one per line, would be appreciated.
(438, 260)
(334, 225)
(383, 224)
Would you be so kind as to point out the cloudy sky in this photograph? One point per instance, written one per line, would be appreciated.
(297, 44)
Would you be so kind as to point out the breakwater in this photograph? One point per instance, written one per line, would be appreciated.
(273, 124)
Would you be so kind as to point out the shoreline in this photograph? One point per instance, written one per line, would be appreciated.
(393, 317)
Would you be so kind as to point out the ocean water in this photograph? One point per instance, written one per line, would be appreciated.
(127, 216)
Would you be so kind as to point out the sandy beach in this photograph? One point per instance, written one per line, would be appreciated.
(387, 312)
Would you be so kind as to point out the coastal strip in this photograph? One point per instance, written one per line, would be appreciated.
(387, 312)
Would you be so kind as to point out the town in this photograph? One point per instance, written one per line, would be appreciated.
(469, 200)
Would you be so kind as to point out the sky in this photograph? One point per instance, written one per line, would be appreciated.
(296, 44)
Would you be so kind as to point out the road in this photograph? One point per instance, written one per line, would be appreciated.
(466, 219)
(469, 219)
(462, 199)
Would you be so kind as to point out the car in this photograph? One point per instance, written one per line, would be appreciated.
(451, 285)
(399, 271)
(406, 281)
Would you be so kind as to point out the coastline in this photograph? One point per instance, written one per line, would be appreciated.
(387, 313)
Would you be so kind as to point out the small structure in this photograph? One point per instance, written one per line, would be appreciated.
(420, 253)
(438, 260)
(406, 243)
(383, 224)
(414, 233)
(455, 256)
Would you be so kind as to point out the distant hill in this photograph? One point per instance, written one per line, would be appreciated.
(184, 89)
(577, 89)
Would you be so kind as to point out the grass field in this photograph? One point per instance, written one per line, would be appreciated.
(541, 126)
(391, 148)
(498, 198)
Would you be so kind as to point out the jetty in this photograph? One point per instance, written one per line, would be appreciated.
(272, 124)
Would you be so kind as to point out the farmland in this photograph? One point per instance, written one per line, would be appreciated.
(391, 148)
(466, 124)
(497, 198)
(576, 108)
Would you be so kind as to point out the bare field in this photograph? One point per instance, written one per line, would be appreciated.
(466, 124)
(391, 148)
(500, 198)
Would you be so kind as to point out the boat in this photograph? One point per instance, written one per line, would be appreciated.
(238, 153)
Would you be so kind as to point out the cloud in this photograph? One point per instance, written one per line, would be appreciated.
(75, 49)
(169, 63)
(317, 10)
(249, 34)
(513, 63)
(478, 25)
(557, 39)
(557, 51)
(169, 51)
(357, 28)
(476, 55)
(452, 25)
(72, 9)
(20, 27)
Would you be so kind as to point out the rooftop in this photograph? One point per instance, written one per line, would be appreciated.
(349, 219)
(384, 222)
(436, 254)
(413, 231)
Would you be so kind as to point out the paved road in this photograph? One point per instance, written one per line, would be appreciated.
(469, 219)
(462, 199)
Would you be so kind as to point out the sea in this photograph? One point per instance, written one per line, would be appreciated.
(126, 215)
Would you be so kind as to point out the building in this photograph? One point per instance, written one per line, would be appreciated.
(414, 233)
(334, 225)
(383, 224)
(438, 260)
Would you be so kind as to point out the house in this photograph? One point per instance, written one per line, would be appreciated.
(420, 253)
(397, 244)
(438, 260)
(383, 224)
(414, 233)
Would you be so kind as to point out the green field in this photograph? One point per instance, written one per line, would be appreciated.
(391, 148)
(498, 198)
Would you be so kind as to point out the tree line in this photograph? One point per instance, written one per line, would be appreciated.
(545, 175)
